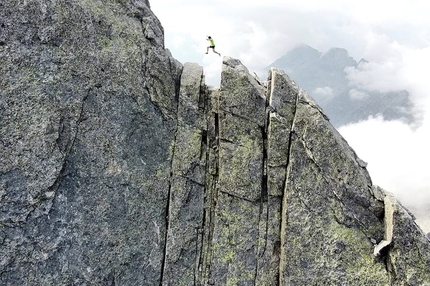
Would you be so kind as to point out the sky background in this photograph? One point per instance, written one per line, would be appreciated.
(394, 36)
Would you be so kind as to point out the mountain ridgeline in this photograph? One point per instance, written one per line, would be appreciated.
(325, 78)
(119, 166)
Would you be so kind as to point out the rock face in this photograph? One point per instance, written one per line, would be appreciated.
(87, 120)
(119, 166)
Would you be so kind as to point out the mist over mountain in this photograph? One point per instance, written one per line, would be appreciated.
(325, 77)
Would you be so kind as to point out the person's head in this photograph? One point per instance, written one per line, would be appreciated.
(209, 37)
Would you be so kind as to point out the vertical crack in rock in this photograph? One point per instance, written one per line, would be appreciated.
(281, 96)
(264, 186)
(203, 145)
(263, 216)
(202, 106)
(215, 190)
(169, 193)
(284, 214)
(186, 203)
(238, 212)
(212, 173)
(167, 209)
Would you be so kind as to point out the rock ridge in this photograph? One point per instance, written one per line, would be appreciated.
(285, 201)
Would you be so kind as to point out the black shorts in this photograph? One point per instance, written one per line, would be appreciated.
(212, 47)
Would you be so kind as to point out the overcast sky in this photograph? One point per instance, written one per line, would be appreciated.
(394, 36)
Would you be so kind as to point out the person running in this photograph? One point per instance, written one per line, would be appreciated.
(212, 45)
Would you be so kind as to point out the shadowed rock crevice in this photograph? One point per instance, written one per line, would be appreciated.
(293, 100)
(188, 183)
(168, 209)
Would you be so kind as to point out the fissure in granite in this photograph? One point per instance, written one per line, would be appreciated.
(263, 219)
(211, 112)
(171, 179)
(212, 186)
(284, 219)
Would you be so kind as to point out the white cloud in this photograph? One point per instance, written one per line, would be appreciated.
(371, 76)
(397, 157)
(415, 73)
(178, 41)
(325, 92)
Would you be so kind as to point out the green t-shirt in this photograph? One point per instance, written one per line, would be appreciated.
(212, 42)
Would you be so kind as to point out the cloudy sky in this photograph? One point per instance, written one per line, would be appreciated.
(394, 36)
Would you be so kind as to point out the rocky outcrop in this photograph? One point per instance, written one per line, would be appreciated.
(290, 203)
(88, 95)
(119, 166)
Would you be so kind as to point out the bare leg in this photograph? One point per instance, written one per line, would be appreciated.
(216, 52)
(207, 50)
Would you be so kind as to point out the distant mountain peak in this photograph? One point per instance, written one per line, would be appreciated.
(318, 72)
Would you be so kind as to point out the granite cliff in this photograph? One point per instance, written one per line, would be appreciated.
(119, 166)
